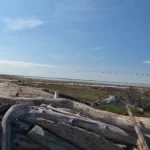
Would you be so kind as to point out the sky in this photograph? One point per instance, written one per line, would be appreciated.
(104, 40)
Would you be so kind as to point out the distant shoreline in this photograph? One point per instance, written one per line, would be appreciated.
(124, 84)
(89, 81)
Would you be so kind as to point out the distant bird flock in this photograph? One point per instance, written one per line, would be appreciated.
(102, 72)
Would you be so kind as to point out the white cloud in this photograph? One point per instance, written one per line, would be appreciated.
(18, 24)
(75, 32)
(147, 62)
(98, 48)
(23, 64)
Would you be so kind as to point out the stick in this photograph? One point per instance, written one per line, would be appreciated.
(137, 129)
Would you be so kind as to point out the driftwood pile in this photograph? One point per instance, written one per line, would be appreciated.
(62, 124)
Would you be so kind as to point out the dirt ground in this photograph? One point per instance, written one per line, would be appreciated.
(14, 90)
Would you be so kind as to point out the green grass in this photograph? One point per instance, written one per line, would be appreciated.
(80, 92)
(119, 109)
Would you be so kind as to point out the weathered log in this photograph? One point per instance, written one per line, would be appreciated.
(25, 142)
(23, 125)
(4, 107)
(14, 112)
(30, 101)
(18, 127)
(110, 118)
(103, 129)
(107, 131)
(22, 142)
(120, 121)
(18, 131)
(21, 109)
(84, 139)
(104, 116)
(49, 140)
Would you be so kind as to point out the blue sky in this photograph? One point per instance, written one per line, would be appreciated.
(56, 38)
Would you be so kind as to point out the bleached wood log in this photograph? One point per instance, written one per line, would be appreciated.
(104, 116)
(84, 139)
(102, 129)
(49, 140)
(105, 130)
(98, 128)
(86, 111)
